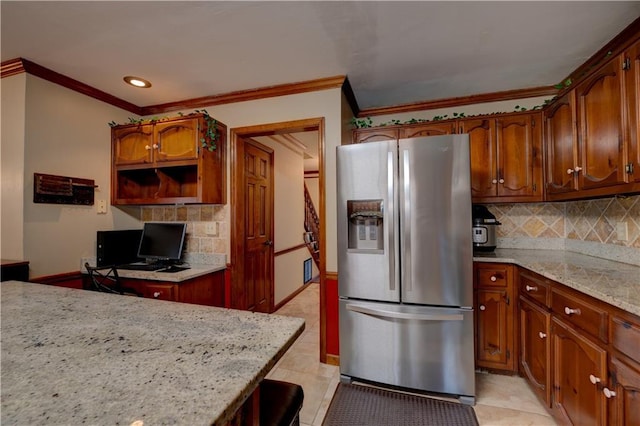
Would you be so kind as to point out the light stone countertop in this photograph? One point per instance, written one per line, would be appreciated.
(79, 357)
(613, 282)
(194, 271)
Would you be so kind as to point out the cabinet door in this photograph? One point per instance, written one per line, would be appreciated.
(624, 397)
(535, 348)
(375, 135)
(561, 143)
(579, 370)
(431, 129)
(176, 140)
(632, 103)
(518, 154)
(482, 143)
(601, 135)
(494, 327)
(132, 144)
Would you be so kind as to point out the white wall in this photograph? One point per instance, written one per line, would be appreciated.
(66, 134)
(12, 120)
(288, 218)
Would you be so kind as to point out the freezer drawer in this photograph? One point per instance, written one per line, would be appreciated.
(429, 349)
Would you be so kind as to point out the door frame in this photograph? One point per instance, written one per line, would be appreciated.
(237, 142)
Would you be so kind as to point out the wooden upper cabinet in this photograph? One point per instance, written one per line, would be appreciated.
(519, 144)
(631, 70)
(561, 144)
(162, 163)
(176, 140)
(506, 161)
(601, 134)
(133, 144)
(375, 134)
(431, 129)
(483, 153)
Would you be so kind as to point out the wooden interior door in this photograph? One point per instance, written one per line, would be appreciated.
(259, 227)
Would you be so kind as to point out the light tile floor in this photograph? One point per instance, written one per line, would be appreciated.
(500, 400)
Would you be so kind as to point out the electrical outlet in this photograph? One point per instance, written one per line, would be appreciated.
(211, 228)
(622, 231)
(101, 206)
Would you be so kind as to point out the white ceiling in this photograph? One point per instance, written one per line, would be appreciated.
(392, 52)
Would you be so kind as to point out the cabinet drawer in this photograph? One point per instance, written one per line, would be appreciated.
(491, 276)
(535, 289)
(579, 312)
(625, 337)
(160, 291)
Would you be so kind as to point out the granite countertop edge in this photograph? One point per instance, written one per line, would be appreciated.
(194, 271)
(612, 282)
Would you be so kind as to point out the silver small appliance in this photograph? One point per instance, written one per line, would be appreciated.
(484, 229)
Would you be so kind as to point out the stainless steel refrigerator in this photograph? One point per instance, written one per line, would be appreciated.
(405, 264)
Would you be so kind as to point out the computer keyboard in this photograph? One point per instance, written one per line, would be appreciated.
(174, 268)
(142, 266)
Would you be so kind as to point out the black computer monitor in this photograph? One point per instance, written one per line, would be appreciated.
(162, 241)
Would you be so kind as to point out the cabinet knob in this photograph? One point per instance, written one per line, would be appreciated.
(531, 288)
(147, 147)
(156, 294)
(482, 307)
(493, 278)
(570, 171)
(593, 379)
(608, 393)
(494, 181)
(155, 146)
(578, 168)
(542, 335)
(569, 311)
(501, 181)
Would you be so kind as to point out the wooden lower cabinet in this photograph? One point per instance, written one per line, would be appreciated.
(579, 372)
(535, 348)
(204, 290)
(495, 316)
(624, 392)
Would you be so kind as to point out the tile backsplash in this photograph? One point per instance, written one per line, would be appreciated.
(594, 227)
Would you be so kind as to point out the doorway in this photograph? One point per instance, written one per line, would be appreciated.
(239, 144)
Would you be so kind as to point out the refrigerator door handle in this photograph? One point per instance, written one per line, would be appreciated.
(403, 315)
(406, 223)
(390, 220)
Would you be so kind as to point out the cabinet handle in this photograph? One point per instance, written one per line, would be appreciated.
(608, 393)
(501, 181)
(155, 146)
(531, 288)
(594, 379)
(482, 307)
(156, 294)
(578, 168)
(569, 311)
(493, 278)
(494, 181)
(542, 335)
(570, 171)
(147, 147)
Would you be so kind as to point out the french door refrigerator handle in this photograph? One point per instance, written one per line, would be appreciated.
(391, 232)
(403, 315)
(406, 224)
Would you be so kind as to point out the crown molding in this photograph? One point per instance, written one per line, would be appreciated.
(11, 67)
(463, 100)
(249, 95)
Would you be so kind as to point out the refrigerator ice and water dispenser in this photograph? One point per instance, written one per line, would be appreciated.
(366, 223)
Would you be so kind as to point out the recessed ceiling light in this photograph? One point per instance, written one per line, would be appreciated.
(137, 82)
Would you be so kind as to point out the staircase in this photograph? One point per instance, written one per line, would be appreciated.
(311, 227)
